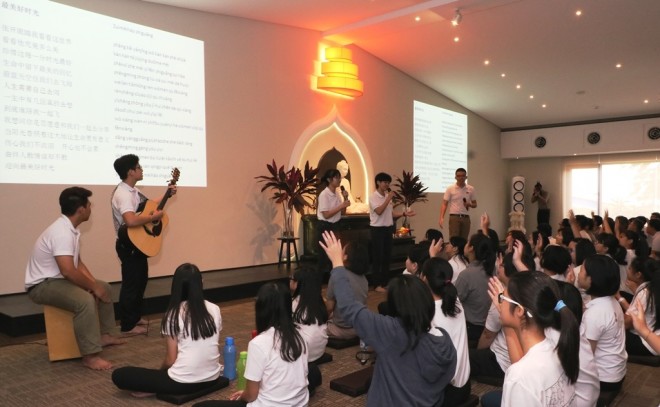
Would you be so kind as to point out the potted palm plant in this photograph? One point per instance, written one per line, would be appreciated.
(290, 188)
(408, 190)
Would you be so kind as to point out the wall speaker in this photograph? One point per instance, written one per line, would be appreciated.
(540, 142)
(518, 194)
(593, 138)
(654, 133)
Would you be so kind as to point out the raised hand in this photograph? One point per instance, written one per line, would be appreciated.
(333, 249)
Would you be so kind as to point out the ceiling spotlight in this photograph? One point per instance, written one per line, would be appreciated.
(457, 18)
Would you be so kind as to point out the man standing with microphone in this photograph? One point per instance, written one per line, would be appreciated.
(459, 197)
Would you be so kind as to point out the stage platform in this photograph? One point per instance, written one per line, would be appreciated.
(20, 316)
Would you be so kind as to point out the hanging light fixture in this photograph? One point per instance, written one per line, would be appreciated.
(458, 17)
(339, 73)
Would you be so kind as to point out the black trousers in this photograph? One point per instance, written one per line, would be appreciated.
(134, 276)
(634, 345)
(140, 379)
(455, 396)
(381, 252)
(324, 265)
(543, 216)
(484, 363)
(473, 331)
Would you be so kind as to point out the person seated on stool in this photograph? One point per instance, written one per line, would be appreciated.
(56, 276)
(191, 327)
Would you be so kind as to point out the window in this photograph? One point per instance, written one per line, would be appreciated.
(628, 189)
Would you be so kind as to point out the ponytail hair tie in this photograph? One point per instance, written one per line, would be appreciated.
(560, 305)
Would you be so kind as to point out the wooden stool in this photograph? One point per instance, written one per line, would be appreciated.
(288, 241)
(60, 336)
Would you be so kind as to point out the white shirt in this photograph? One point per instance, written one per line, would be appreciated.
(639, 302)
(328, 201)
(538, 379)
(455, 327)
(124, 199)
(587, 386)
(499, 346)
(59, 239)
(458, 266)
(316, 336)
(281, 383)
(197, 361)
(454, 195)
(585, 297)
(385, 218)
(603, 322)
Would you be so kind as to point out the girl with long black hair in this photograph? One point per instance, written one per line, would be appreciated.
(191, 327)
(547, 373)
(645, 275)
(309, 311)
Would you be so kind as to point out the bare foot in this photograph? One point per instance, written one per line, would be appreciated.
(380, 289)
(143, 321)
(109, 340)
(141, 395)
(137, 330)
(95, 362)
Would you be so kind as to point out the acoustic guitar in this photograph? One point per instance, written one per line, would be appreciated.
(148, 238)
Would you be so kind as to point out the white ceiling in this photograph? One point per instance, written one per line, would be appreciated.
(567, 62)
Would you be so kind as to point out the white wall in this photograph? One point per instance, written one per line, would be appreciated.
(258, 103)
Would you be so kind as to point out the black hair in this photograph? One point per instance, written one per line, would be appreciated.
(460, 169)
(610, 223)
(566, 235)
(598, 220)
(187, 303)
(273, 309)
(584, 222)
(125, 163)
(539, 294)
(654, 223)
(329, 175)
(433, 234)
(572, 298)
(484, 252)
(613, 246)
(545, 229)
(517, 235)
(544, 239)
(556, 259)
(604, 273)
(650, 270)
(623, 223)
(583, 249)
(311, 309)
(419, 254)
(527, 259)
(410, 301)
(639, 243)
(438, 273)
(73, 198)
(357, 258)
(494, 238)
(382, 176)
(459, 243)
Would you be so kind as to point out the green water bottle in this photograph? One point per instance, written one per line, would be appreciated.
(242, 361)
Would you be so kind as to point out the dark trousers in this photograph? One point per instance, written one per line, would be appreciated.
(455, 396)
(484, 363)
(134, 276)
(381, 251)
(543, 216)
(313, 377)
(634, 345)
(139, 379)
(324, 265)
(473, 331)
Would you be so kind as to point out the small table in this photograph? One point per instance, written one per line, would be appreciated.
(288, 241)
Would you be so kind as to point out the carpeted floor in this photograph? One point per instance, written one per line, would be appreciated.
(27, 378)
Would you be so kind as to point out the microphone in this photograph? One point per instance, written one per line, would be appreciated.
(464, 200)
(389, 190)
(344, 193)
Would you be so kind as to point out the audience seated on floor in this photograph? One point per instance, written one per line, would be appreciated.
(644, 274)
(309, 311)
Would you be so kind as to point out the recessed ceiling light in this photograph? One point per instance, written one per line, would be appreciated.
(531, 96)
(486, 62)
(503, 75)
(646, 101)
(417, 18)
(518, 86)
(578, 13)
(456, 39)
(544, 105)
(618, 66)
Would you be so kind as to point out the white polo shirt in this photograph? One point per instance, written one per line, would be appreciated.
(59, 239)
(328, 200)
(454, 196)
(603, 322)
(385, 218)
(124, 199)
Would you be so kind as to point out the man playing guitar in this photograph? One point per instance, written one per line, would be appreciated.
(126, 199)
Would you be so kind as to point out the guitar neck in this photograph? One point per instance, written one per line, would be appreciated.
(163, 201)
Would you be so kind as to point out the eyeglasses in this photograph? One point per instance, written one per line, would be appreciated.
(137, 167)
(501, 297)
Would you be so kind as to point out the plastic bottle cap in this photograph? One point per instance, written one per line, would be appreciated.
(243, 355)
(229, 340)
